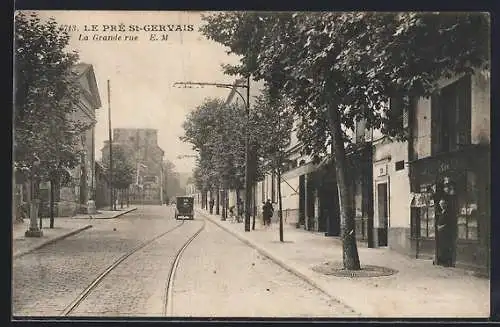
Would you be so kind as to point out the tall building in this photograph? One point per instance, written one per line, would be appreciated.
(69, 199)
(141, 146)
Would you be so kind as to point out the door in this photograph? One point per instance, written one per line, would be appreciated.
(382, 214)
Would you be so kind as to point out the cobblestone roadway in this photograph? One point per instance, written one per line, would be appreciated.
(47, 280)
(137, 286)
(220, 276)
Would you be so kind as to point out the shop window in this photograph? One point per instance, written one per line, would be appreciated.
(426, 214)
(467, 218)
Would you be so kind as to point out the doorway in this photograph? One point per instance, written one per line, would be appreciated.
(382, 213)
(302, 200)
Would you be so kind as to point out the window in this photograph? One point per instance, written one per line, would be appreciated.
(426, 215)
(467, 219)
(451, 116)
(400, 165)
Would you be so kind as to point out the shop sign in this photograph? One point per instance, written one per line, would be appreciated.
(419, 200)
(433, 166)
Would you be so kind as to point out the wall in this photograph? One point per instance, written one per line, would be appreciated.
(422, 129)
(481, 107)
(480, 115)
(385, 156)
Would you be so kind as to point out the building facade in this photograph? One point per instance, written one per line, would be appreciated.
(394, 184)
(449, 149)
(71, 199)
(141, 146)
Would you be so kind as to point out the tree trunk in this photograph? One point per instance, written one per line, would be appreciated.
(217, 202)
(224, 204)
(51, 203)
(280, 204)
(121, 198)
(128, 196)
(349, 247)
(36, 187)
(83, 185)
(254, 207)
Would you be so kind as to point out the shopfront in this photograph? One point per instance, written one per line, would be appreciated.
(463, 179)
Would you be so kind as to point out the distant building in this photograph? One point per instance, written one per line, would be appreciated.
(141, 146)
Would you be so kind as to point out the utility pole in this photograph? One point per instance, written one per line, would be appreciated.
(248, 183)
(111, 193)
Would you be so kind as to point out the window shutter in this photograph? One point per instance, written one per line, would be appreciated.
(406, 114)
(463, 116)
(435, 123)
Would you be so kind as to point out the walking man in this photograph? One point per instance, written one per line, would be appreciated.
(267, 212)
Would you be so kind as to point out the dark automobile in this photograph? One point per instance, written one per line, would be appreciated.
(184, 207)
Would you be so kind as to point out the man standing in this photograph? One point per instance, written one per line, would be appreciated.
(267, 212)
(240, 210)
(212, 202)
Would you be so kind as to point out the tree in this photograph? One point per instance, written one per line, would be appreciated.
(45, 96)
(123, 173)
(340, 68)
(217, 132)
(272, 135)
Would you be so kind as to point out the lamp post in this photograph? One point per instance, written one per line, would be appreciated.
(34, 230)
(248, 184)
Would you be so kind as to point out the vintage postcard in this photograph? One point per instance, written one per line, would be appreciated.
(251, 164)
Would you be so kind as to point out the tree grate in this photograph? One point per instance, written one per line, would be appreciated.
(336, 269)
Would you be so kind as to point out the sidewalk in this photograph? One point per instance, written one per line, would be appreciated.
(418, 289)
(63, 227)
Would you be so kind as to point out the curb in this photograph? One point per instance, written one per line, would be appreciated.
(121, 213)
(51, 241)
(113, 217)
(287, 266)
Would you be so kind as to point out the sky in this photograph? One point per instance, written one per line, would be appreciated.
(142, 72)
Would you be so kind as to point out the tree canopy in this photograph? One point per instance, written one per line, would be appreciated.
(45, 95)
(354, 61)
(338, 68)
(217, 132)
(124, 171)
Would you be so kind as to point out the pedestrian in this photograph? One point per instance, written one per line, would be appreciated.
(212, 203)
(267, 212)
(445, 225)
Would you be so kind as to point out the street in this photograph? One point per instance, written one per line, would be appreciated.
(217, 275)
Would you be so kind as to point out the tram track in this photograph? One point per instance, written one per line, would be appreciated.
(168, 301)
(72, 307)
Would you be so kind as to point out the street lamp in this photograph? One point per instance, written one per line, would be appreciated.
(248, 192)
(34, 230)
